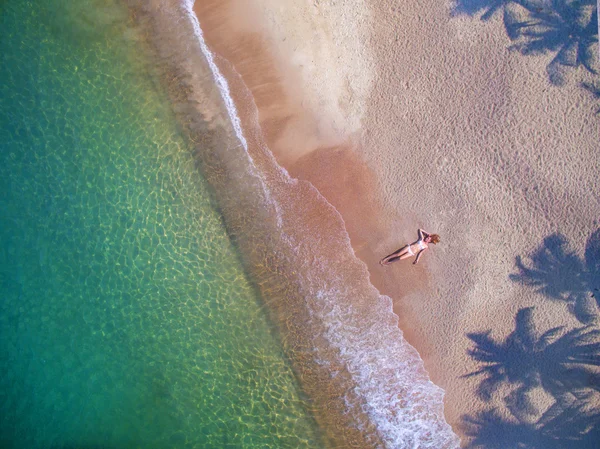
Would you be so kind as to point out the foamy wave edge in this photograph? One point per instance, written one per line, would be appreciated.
(403, 405)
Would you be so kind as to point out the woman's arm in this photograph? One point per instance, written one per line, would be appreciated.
(423, 234)
(418, 257)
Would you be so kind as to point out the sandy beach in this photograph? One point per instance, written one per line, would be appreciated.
(422, 115)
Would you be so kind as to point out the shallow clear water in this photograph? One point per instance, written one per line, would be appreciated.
(126, 318)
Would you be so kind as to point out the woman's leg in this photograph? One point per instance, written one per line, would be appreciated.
(391, 260)
(406, 255)
(396, 255)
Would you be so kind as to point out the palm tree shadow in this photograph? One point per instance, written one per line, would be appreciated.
(567, 28)
(574, 427)
(489, 429)
(561, 275)
(562, 363)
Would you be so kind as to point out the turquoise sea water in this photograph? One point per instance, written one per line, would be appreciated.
(126, 318)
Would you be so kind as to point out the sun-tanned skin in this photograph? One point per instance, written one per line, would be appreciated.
(416, 247)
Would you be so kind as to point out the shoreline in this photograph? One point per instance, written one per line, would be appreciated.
(294, 122)
(248, 68)
(337, 171)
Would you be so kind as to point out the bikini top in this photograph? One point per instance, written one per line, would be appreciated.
(422, 244)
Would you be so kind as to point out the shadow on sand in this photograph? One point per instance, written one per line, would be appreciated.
(563, 363)
(594, 89)
(556, 271)
(575, 427)
(568, 29)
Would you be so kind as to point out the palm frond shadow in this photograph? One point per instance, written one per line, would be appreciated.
(568, 28)
(574, 427)
(560, 362)
(473, 7)
(563, 363)
(561, 275)
(594, 89)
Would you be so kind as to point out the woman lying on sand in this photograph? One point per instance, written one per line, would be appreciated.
(409, 250)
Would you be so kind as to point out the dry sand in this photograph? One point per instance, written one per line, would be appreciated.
(404, 116)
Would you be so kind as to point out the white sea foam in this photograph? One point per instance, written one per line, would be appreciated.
(405, 407)
(223, 86)
(389, 384)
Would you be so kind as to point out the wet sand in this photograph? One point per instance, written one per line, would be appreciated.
(309, 142)
(407, 117)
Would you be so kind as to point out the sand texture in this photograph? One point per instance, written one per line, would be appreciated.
(476, 123)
